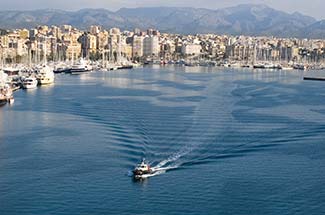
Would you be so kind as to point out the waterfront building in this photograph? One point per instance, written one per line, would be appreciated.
(137, 31)
(66, 29)
(151, 46)
(56, 32)
(126, 46)
(43, 29)
(114, 44)
(14, 47)
(4, 41)
(191, 49)
(24, 34)
(137, 47)
(94, 29)
(88, 44)
(32, 33)
(44, 47)
(73, 47)
(102, 40)
(115, 31)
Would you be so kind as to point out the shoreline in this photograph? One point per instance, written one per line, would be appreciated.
(16, 80)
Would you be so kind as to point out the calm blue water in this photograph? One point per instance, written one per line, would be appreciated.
(236, 142)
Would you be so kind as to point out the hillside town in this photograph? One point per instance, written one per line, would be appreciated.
(66, 43)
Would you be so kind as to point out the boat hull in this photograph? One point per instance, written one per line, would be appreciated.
(58, 71)
(138, 174)
(46, 81)
(3, 102)
(125, 67)
(30, 85)
(78, 71)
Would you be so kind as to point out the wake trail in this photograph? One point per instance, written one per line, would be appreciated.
(217, 105)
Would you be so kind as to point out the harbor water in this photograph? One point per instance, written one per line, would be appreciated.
(229, 142)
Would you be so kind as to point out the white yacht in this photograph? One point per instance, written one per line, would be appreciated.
(286, 67)
(62, 67)
(80, 67)
(6, 94)
(30, 83)
(3, 78)
(46, 75)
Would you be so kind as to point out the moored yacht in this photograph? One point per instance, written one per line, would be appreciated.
(3, 88)
(299, 66)
(46, 75)
(286, 67)
(30, 83)
(259, 66)
(62, 68)
(80, 67)
(12, 71)
(6, 94)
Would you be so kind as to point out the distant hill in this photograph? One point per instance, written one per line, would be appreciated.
(315, 30)
(242, 19)
(247, 19)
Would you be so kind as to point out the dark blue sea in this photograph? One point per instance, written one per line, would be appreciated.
(238, 142)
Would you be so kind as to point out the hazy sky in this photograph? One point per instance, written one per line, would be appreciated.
(313, 8)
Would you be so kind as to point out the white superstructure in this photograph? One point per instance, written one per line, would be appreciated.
(30, 83)
(46, 75)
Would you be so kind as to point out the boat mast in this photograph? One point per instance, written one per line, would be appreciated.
(45, 52)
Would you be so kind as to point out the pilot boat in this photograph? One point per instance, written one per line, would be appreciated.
(141, 170)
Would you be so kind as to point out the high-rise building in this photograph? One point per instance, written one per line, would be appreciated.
(94, 29)
(151, 46)
(137, 46)
(73, 47)
(56, 32)
(137, 31)
(102, 40)
(191, 49)
(88, 44)
(4, 41)
(66, 28)
(32, 33)
(24, 34)
(150, 32)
